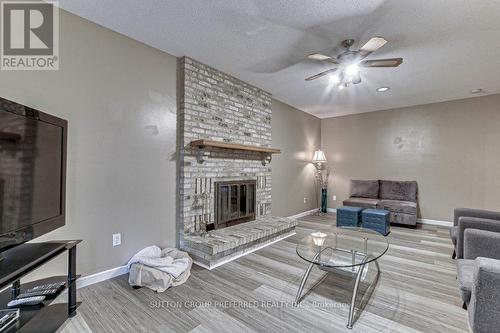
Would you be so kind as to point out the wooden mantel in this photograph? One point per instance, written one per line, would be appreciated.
(234, 146)
(204, 144)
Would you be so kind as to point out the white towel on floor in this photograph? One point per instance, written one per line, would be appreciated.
(153, 256)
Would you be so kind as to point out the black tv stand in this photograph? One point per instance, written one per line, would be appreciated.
(23, 259)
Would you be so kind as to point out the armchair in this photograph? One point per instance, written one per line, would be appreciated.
(471, 218)
(484, 305)
(479, 279)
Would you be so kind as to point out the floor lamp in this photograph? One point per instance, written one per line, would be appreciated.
(322, 174)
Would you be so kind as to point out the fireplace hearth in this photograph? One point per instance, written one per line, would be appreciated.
(234, 202)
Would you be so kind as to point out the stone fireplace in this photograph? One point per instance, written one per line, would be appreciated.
(225, 177)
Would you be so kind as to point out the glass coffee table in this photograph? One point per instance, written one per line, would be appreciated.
(344, 250)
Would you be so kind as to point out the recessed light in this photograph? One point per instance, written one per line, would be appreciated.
(382, 89)
(476, 91)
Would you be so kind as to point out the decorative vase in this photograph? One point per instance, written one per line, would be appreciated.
(324, 199)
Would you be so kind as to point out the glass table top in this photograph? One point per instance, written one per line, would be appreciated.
(342, 247)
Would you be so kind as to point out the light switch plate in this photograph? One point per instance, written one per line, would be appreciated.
(117, 239)
(334, 198)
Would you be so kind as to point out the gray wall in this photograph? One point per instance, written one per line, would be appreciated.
(297, 134)
(119, 97)
(451, 149)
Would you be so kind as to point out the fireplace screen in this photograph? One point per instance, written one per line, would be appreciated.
(234, 202)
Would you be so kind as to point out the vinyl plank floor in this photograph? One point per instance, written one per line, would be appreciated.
(415, 292)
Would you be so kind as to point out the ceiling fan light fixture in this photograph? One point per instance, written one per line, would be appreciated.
(334, 79)
(383, 89)
(350, 61)
(352, 70)
(356, 79)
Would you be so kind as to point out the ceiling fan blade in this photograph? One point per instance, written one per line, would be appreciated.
(314, 77)
(372, 45)
(391, 62)
(322, 57)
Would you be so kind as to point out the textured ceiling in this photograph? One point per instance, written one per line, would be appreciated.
(449, 46)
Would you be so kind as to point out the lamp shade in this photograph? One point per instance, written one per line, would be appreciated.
(318, 238)
(319, 157)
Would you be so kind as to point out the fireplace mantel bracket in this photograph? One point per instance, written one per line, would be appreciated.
(201, 154)
(267, 159)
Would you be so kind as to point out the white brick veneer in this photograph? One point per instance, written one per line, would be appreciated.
(216, 106)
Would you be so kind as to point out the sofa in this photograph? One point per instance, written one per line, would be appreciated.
(398, 197)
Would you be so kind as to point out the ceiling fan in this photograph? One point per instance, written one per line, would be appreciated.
(349, 62)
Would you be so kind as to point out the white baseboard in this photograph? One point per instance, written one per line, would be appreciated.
(101, 276)
(244, 253)
(307, 212)
(436, 222)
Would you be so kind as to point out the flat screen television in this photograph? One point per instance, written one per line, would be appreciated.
(32, 173)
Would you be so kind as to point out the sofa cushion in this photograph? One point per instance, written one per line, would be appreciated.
(402, 218)
(397, 206)
(398, 190)
(365, 188)
(361, 202)
(465, 273)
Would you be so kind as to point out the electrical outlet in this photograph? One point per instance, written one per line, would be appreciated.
(117, 239)
(305, 200)
(334, 198)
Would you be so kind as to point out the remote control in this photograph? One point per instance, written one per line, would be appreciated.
(57, 285)
(46, 293)
(26, 301)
